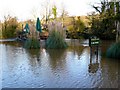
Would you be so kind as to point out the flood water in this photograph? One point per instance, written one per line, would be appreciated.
(48, 68)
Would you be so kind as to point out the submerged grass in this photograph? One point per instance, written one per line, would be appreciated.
(32, 43)
(56, 41)
(114, 51)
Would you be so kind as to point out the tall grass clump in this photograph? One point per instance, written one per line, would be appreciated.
(56, 36)
(114, 51)
(32, 43)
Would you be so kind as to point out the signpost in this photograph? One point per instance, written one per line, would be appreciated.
(94, 42)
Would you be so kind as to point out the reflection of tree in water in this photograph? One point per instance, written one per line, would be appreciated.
(34, 56)
(77, 50)
(57, 57)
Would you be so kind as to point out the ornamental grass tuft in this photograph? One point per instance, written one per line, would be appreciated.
(114, 51)
(56, 36)
(56, 41)
(32, 43)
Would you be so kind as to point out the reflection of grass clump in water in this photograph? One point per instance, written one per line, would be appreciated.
(32, 43)
(56, 40)
(114, 51)
(33, 52)
(56, 57)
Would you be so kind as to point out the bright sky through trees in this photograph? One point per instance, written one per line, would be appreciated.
(23, 9)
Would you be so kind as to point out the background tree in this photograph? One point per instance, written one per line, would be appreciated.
(0, 29)
(9, 27)
(103, 21)
(64, 14)
(80, 25)
(46, 14)
(76, 29)
(54, 11)
(117, 20)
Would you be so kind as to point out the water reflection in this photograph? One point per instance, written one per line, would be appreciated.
(94, 64)
(110, 72)
(57, 57)
(93, 67)
(11, 56)
(77, 50)
(34, 57)
(69, 68)
(34, 53)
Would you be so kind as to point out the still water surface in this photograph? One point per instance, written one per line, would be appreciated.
(47, 68)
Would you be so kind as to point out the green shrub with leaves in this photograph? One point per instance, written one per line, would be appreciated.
(56, 36)
(114, 51)
(32, 43)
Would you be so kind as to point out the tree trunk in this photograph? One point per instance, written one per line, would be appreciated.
(118, 32)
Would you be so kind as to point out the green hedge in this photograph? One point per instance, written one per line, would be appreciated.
(114, 51)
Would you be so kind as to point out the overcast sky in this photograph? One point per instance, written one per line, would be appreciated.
(25, 9)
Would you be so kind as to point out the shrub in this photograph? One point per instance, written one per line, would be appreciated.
(114, 51)
(32, 43)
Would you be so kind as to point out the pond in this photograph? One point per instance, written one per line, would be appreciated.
(48, 68)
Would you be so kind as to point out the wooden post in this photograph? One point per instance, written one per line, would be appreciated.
(90, 54)
(117, 33)
(40, 39)
(97, 53)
